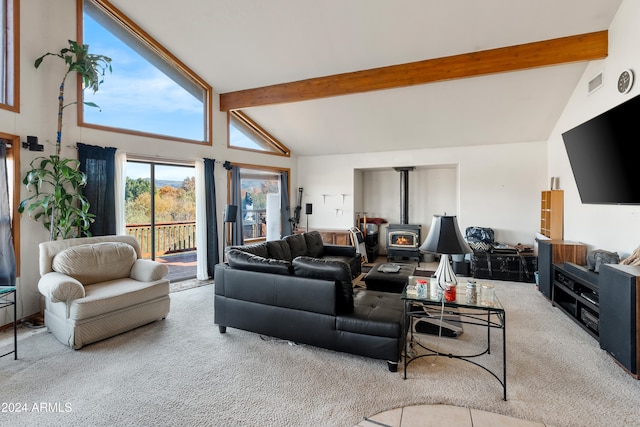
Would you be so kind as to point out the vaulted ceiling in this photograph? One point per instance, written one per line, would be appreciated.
(349, 76)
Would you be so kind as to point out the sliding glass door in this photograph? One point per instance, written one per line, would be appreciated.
(160, 210)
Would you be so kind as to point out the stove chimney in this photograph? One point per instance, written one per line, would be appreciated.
(404, 193)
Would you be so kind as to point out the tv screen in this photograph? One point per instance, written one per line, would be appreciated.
(601, 154)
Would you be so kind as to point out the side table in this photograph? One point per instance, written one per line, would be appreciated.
(5, 293)
(490, 314)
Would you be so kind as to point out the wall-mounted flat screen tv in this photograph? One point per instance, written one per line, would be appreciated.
(602, 156)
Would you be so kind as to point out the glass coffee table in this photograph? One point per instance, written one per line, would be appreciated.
(486, 311)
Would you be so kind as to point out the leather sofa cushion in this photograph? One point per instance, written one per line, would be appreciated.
(315, 245)
(297, 245)
(259, 249)
(375, 313)
(338, 271)
(245, 261)
(96, 262)
(278, 249)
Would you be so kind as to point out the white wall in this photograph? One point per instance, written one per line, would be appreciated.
(45, 27)
(432, 190)
(610, 227)
(496, 186)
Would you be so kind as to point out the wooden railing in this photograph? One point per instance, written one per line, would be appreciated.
(170, 237)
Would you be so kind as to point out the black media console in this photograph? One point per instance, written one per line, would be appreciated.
(575, 291)
(605, 304)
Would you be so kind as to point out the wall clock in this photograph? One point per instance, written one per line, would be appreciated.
(625, 81)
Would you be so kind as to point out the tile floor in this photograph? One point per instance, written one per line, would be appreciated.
(443, 416)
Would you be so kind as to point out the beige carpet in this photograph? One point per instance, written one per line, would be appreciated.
(182, 372)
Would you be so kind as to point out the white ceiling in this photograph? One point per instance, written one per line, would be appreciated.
(244, 44)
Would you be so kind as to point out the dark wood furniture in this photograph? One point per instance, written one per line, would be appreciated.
(332, 237)
(552, 252)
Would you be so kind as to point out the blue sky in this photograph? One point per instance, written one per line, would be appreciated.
(136, 95)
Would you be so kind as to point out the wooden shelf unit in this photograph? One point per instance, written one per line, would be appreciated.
(552, 214)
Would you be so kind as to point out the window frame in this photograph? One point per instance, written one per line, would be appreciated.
(277, 148)
(14, 68)
(13, 154)
(273, 169)
(162, 52)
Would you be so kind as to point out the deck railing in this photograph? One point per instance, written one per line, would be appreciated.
(170, 237)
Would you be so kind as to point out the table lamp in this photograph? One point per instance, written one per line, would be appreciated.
(444, 238)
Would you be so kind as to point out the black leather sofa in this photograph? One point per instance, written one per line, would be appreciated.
(307, 298)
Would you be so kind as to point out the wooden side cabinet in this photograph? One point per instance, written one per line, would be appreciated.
(552, 214)
(332, 237)
(620, 314)
(557, 252)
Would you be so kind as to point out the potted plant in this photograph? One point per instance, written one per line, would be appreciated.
(57, 182)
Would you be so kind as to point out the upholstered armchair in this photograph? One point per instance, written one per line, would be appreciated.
(98, 287)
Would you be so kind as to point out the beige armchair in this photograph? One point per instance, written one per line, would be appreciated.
(98, 287)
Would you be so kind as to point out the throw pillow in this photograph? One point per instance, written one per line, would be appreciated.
(315, 245)
(297, 245)
(323, 269)
(480, 246)
(278, 249)
(245, 261)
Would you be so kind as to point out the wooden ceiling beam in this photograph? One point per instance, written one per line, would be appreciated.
(583, 47)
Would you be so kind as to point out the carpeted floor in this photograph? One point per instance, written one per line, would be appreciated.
(183, 372)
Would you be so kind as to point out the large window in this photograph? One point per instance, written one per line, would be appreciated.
(150, 92)
(9, 59)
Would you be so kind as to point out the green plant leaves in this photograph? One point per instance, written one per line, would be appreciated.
(58, 201)
(57, 182)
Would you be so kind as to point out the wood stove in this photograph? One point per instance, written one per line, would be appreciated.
(403, 240)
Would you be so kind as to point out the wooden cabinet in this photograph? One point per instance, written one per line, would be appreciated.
(552, 252)
(552, 213)
(333, 237)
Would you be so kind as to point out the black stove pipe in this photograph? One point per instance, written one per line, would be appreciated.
(404, 193)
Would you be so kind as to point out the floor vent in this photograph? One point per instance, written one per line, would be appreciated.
(595, 83)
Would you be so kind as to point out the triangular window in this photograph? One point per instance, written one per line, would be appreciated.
(245, 134)
(150, 92)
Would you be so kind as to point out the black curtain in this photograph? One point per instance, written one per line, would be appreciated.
(285, 209)
(213, 255)
(98, 163)
(237, 237)
(7, 254)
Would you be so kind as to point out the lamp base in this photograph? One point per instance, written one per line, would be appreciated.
(445, 273)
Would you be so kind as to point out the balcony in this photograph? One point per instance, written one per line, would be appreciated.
(175, 245)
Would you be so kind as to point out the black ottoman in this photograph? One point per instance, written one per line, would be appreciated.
(386, 280)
